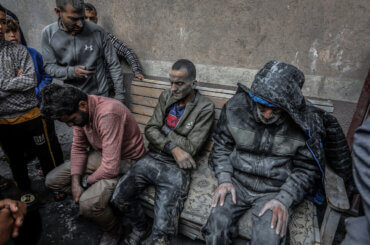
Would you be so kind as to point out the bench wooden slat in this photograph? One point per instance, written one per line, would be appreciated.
(149, 92)
(167, 84)
(141, 119)
(148, 111)
(321, 102)
(142, 100)
(152, 102)
(163, 87)
(142, 110)
(325, 108)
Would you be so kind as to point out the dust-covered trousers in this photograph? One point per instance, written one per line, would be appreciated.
(222, 223)
(94, 201)
(171, 189)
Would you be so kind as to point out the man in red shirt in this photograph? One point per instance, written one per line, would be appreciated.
(106, 142)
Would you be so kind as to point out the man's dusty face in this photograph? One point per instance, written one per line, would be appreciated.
(180, 86)
(91, 16)
(79, 119)
(2, 24)
(72, 20)
(268, 115)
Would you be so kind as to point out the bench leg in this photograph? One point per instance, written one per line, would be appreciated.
(329, 226)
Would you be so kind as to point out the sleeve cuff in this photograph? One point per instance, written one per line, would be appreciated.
(71, 72)
(224, 177)
(168, 147)
(166, 130)
(119, 97)
(90, 180)
(285, 198)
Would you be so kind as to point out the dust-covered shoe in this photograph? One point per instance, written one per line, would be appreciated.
(137, 237)
(161, 241)
(111, 237)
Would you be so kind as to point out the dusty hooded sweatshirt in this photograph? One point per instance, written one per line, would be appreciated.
(63, 51)
(307, 135)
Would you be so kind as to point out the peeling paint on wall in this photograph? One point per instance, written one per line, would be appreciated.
(295, 62)
(314, 55)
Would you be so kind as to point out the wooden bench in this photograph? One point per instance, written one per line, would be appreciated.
(303, 227)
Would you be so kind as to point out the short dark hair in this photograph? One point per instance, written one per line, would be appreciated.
(78, 5)
(2, 9)
(188, 65)
(90, 7)
(11, 25)
(58, 100)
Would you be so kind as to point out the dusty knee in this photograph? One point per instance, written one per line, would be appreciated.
(125, 193)
(219, 228)
(262, 232)
(51, 181)
(90, 207)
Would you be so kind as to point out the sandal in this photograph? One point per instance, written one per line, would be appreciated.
(4, 183)
(59, 196)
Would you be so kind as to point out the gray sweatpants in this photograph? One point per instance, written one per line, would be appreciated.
(221, 226)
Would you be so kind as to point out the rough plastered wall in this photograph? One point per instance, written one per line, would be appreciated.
(229, 40)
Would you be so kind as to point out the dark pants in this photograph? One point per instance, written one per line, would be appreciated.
(35, 135)
(221, 226)
(171, 185)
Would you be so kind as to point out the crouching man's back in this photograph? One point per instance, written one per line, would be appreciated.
(106, 143)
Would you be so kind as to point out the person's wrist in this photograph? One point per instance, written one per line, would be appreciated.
(76, 180)
(84, 182)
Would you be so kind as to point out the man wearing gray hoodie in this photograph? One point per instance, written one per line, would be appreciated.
(75, 51)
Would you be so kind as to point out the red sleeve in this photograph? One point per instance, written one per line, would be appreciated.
(111, 127)
(79, 151)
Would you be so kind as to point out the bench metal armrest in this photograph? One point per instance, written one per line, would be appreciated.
(338, 202)
(335, 190)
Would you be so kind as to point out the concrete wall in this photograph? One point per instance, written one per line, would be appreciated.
(229, 40)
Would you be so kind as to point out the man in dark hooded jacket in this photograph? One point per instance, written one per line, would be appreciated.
(267, 154)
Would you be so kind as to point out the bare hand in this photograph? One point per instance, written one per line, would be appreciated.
(81, 72)
(77, 189)
(19, 72)
(279, 214)
(139, 76)
(18, 211)
(183, 159)
(6, 225)
(221, 192)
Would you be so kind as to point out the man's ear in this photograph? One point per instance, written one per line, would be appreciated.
(83, 106)
(194, 84)
(57, 11)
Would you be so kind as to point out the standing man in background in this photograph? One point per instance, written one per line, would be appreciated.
(122, 50)
(75, 51)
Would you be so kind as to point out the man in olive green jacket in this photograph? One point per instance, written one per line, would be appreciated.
(181, 123)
